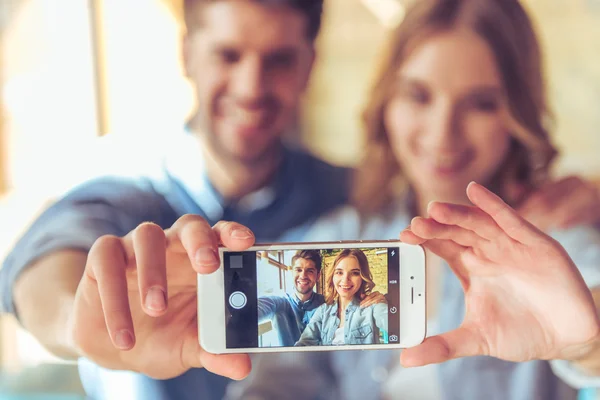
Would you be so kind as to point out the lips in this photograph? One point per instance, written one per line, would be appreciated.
(447, 164)
(302, 282)
(345, 289)
(250, 122)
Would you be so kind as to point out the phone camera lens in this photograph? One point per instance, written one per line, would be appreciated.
(412, 277)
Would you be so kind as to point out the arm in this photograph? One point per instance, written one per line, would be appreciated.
(268, 306)
(312, 333)
(39, 278)
(44, 296)
(589, 362)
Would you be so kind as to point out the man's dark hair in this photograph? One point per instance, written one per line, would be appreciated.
(311, 9)
(311, 255)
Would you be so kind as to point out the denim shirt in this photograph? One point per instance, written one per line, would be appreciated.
(358, 375)
(362, 325)
(288, 314)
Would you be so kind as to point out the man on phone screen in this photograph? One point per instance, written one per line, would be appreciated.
(289, 313)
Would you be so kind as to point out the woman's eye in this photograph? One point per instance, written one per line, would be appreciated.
(486, 105)
(415, 93)
(418, 96)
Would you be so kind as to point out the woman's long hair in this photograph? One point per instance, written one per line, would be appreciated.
(331, 295)
(507, 30)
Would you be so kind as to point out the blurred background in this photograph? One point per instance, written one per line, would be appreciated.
(73, 71)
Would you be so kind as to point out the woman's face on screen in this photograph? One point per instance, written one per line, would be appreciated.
(346, 278)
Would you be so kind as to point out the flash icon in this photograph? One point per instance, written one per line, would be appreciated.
(393, 252)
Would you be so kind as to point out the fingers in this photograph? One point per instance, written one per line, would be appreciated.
(193, 235)
(466, 217)
(505, 217)
(451, 252)
(107, 262)
(233, 235)
(444, 248)
(428, 228)
(458, 343)
(149, 244)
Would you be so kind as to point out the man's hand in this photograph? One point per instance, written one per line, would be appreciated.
(562, 204)
(135, 307)
(524, 297)
(372, 299)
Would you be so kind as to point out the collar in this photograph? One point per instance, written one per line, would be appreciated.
(299, 302)
(184, 162)
(354, 304)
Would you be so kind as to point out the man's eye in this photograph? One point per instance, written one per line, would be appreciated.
(229, 56)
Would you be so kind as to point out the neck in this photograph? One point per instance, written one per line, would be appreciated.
(343, 302)
(231, 177)
(304, 296)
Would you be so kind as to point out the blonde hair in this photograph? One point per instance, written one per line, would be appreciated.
(507, 30)
(367, 285)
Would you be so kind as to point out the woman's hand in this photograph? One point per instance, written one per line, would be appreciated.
(524, 297)
(562, 204)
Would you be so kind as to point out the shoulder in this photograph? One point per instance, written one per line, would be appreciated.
(330, 182)
(312, 166)
(114, 155)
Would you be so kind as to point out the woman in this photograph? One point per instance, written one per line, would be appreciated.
(341, 320)
(460, 97)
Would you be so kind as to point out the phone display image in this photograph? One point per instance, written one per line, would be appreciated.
(312, 297)
(320, 296)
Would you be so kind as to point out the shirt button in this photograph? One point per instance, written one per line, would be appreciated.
(379, 374)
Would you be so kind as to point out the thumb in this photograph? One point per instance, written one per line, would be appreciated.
(461, 342)
(234, 366)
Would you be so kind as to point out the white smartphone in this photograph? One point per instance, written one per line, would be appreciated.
(277, 298)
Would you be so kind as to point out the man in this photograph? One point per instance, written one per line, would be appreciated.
(94, 281)
(290, 313)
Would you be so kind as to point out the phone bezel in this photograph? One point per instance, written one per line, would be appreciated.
(413, 308)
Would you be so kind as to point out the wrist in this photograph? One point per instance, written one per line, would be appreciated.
(585, 357)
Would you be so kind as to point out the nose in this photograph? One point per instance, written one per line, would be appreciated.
(248, 82)
(442, 130)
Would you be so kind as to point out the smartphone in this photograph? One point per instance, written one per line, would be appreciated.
(277, 298)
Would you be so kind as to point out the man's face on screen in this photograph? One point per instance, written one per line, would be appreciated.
(305, 275)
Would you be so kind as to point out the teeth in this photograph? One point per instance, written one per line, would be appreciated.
(446, 162)
(247, 117)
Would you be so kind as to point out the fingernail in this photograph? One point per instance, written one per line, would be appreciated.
(206, 256)
(429, 205)
(124, 339)
(241, 233)
(155, 299)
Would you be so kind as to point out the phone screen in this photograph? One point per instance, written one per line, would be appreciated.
(312, 297)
